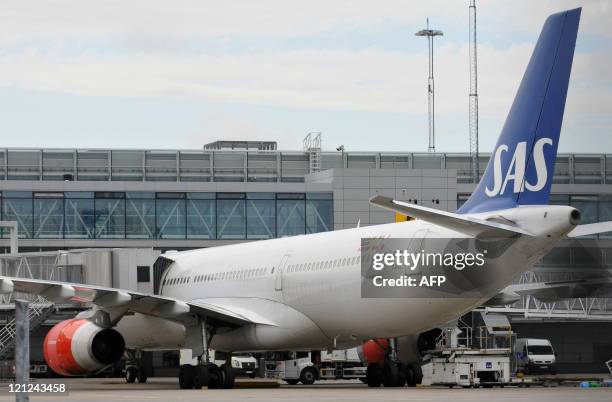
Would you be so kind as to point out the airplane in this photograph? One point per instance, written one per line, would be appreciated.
(304, 292)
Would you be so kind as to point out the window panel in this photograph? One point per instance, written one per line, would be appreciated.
(20, 210)
(48, 218)
(200, 219)
(231, 223)
(319, 216)
(79, 218)
(170, 218)
(140, 218)
(110, 218)
(261, 219)
(290, 217)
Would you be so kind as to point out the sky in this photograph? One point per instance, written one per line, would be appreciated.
(176, 75)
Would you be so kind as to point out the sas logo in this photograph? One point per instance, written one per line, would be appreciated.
(516, 169)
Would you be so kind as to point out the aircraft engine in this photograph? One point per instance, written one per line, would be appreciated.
(373, 351)
(78, 347)
(409, 348)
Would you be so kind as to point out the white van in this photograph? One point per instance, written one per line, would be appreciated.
(243, 364)
(535, 356)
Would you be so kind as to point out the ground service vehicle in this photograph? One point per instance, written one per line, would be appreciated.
(535, 356)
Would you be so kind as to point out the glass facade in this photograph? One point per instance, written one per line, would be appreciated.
(173, 215)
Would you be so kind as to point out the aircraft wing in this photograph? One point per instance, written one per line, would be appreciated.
(461, 223)
(150, 304)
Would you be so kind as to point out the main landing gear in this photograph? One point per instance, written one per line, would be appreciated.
(135, 370)
(206, 375)
(392, 372)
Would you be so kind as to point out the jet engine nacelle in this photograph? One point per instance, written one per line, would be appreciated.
(78, 347)
(409, 348)
(373, 351)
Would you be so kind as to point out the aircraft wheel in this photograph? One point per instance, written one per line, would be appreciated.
(401, 381)
(374, 375)
(200, 376)
(228, 376)
(414, 374)
(130, 374)
(215, 377)
(142, 375)
(186, 374)
(391, 374)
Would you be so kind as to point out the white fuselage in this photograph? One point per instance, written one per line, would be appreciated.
(305, 291)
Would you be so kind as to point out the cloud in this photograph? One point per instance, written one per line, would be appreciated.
(152, 49)
(369, 80)
(143, 22)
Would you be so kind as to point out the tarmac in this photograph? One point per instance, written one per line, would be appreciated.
(166, 389)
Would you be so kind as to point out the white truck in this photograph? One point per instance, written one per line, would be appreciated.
(342, 364)
(535, 356)
(308, 367)
(292, 367)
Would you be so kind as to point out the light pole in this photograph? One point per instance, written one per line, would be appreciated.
(430, 33)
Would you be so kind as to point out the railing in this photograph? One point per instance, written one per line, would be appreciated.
(105, 164)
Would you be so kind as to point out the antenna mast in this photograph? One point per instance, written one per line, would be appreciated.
(430, 33)
(473, 95)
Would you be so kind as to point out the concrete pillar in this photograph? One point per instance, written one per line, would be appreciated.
(14, 235)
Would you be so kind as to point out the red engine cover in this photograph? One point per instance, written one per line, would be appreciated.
(57, 348)
(374, 351)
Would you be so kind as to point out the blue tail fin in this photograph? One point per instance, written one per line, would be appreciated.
(521, 168)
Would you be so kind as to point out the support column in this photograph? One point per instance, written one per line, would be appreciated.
(22, 348)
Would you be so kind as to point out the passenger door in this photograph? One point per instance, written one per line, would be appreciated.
(278, 273)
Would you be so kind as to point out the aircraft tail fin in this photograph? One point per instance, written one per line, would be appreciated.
(521, 167)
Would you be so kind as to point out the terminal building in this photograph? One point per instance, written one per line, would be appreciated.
(231, 192)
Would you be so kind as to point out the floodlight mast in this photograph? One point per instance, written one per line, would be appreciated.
(430, 33)
(473, 108)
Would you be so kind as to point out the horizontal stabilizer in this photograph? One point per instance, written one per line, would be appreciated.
(461, 223)
(591, 229)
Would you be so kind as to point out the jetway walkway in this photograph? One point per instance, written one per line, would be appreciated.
(578, 308)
